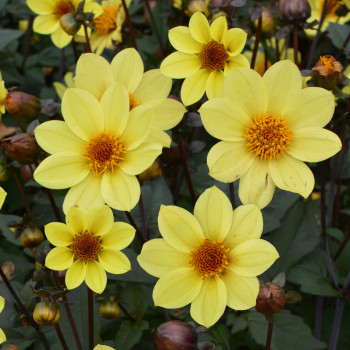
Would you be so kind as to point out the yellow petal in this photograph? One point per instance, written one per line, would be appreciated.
(213, 211)
(76, 220)
(2, 336)
(103, 347)
(282, 80)
(177, 288)
(59, 234)
(199, 28)
(179, 228)
(236, 62)
(120, 190)
(234, 41)
(168, 113)
(2, 303)
(115, 105)
(99, 220)
(82, 113)
(75, 274)
(127, 67)
(247, 223)
(2, 196)
(241, 291)
(94, 74)
(60, 38)
(96, 278)
(218, 28)
(194, 86)
(252, 258)
(211, 302)
(228, 161)
(224, 119)
(141, 158)
(292, 175)
(55, 136)
(114, 261)
(256, 185)
(60, 89)
(41, 7)
(61, 170)
(46, 24)
(314, 144)
(59, 258)
(84, 195)
(180, 65)
(119, 236)
(158, 257)
(311, 107)
(158, 136)
(214, 84)
(181, 39)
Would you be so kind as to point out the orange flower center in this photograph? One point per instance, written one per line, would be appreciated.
(86, 247)
(133, 102)
(106, 23)
(213, 56)
(268, 136)
(210, 259)
(63, 7)
(327, 62)
(331, 7)
(104, 152)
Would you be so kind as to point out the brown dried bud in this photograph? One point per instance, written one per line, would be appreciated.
(22, 148)
(294, 10)
(31, 237)
(109, 310)
(174, 335)
(271, 299)
(69, 23)
(26, 173)
(22, 106)
(47, 313)
(8, 268)
(151, 173)
(327, 72)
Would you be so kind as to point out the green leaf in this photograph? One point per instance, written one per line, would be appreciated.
(7, 36)
(338, 34)
(4, 219)
(134, 297)
(129, 334)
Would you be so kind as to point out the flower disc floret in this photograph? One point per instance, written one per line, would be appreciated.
(106, 23)
(63, 7)
(86, 247)
(213, 56)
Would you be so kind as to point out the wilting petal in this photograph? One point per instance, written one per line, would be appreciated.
(59, 234)
(99, 220)
(119, 236)
(59, 258)
(194, 86)
(75, 274)
(114, 261)
(96, 278)
(180, 65)
(181, 39)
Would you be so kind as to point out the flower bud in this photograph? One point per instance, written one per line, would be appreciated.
(271, 299)
(151, 173)
(268, 22)
(22, 148)
(4, 172)
(327, 72)
(197, 5)
(174, 335)
(22, 106)
(26, 173)
(109, 310)
(31, 237)
(294, 10)
(69, 24)
(9, 347)
(46, 313)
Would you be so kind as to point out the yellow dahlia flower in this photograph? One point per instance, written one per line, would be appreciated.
(3, 94)
(103, 347)
(2, 196)
(108, 26)
(61, 88)
(209, 259)
(2, 334)
(97, 150)
(88, 245)
(150, 88)
(205, 55)
(265, 143)
(50, 13)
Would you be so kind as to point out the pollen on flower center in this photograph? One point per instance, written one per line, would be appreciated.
(106, 23)
(104, 152)
(210, 259)
(63, 7)
(132, 102)
(213, 56)
(86, 247)
(268, 136)
(327, 62)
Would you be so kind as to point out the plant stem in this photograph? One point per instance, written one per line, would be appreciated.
(343, 47)
(318, 316)
(23, 195)
(338, 315)
(26, 41)
(131, 29)
(91, 318)
(53, 205)
(60, 337)
(88, 46)
(127, 314)
(269, 336)
(256, 44)
(182, 152)
(75, 51)
(295, 43)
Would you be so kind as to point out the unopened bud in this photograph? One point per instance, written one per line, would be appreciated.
(327, 72)
(294, 10)
(47, 313)
(4, 172)
(22, 106)
(31, 237)
(271, 299)
(109, 310)
(22, 147)
(197, 5)
(174, 335)
(69, 23)
(268, 22)
(151, 173)
(9, 347)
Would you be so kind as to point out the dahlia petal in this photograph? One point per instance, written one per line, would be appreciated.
(256, 186)
(82, 113)
(179, 228)
(95, 278)
(168, 113)
(120, 190)
(213, 210)
(158, 257)
(234, 41)
(2, 336)
(247, 224)
(252, 258)
(2, 196)
(46, 24)
(61, 170)
(59, 234)
(181, 39)
(228, 161)
(60, 38)
(2, 304)
(119, 236)
(59, 258)
(41, 7)
(128, 68)
(218, 28)
(314, 144)
(199, 28)
(214, 84)
(211, 302)
(239, 61)
(180, 65)
(75, 274)
(158, 136)
(76, 220)
(114, 261)
(177, 288)
(91, 6)
(194, 86)
(241, 291)
(290, 174)
(99, 220)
